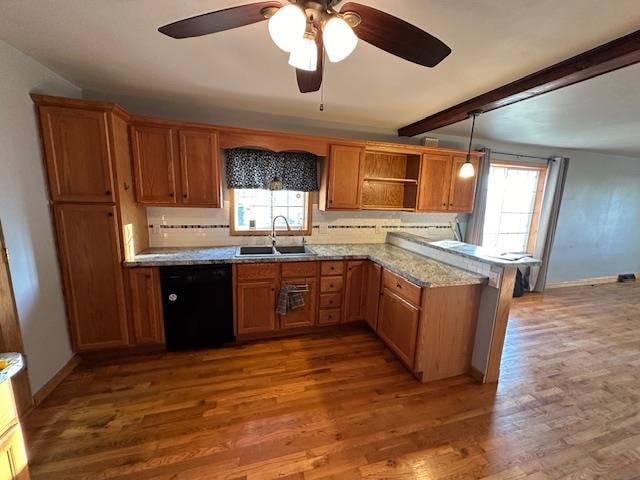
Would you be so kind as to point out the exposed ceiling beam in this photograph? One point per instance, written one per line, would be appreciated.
(619, 53)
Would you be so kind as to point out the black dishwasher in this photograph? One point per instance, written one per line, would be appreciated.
(198, 306)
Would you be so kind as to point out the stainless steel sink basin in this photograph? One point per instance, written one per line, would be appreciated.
(254, 251)
(288, 251)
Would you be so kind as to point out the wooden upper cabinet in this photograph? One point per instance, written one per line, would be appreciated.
(78, 154)
(343, 177)
(463, 190)
(146, 306)
(199, 168)
(93, 284)
(154, 163)
(355, 291)
(435, 182)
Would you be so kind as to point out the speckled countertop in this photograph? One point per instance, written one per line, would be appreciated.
(415, 268)
(467, 250)
(16, 363)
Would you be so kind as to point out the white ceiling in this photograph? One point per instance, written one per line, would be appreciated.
(113, 46)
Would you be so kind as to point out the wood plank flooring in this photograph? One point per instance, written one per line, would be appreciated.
(340, 406)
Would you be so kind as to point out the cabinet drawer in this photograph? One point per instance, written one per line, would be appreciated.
(299, 269)
(330, 300)
(8, 414)
(332, 268)
(253, 271)
(407, 290)
(328, 316)
(330, 284)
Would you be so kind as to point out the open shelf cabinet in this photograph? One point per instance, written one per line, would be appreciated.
(390, 180)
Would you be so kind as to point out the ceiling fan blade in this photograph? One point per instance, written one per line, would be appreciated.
(311, 81)
(397, 36)
(218, 21)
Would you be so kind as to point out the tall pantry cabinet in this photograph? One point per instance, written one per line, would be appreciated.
(97, 222)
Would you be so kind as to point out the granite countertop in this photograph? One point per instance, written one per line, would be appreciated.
(416, 268)
(15, 364)
(468, 250)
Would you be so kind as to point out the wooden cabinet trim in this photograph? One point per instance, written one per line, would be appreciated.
(299, 269)
(253, 271)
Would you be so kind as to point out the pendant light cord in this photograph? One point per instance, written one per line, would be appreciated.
(473, 125)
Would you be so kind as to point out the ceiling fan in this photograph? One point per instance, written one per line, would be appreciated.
(309, 28)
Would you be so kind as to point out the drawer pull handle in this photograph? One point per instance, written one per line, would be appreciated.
(398, 285)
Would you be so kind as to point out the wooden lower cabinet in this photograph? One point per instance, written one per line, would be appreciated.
(88, 244)
(146, 306)
(355, 291)
(256, 306)
(303, 316)
(374, 277)
(398, 325)
(13, 456)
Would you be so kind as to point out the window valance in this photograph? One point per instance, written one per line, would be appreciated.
(249, 168)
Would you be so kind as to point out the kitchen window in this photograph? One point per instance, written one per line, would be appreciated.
(514, 200)
(253, 211)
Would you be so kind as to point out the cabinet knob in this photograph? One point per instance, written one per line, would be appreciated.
(444, 204)
(330, 302)
(398, 285)
(147, 276)
(109, 214)
(184, 195)
(171, 194)
(331, 286)
(451, 204)
(107, 192)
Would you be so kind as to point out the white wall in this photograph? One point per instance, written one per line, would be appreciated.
(25, 217)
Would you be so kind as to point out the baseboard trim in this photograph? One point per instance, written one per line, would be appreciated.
(584, 282)
(476, 374)
(56, 380)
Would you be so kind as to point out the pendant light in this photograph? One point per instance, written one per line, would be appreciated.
(467, 170)
(276, 184)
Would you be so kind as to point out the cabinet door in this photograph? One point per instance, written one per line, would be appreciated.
(355, 291)
(463, 190)
(435, 182)
(90, 258)
(199, 168)
(77, 154)
(304, 316)
(398, 325)
(146, 306)
(256, 306)
(374, 277)
(344, 177)
(13, 456)
(154, 164)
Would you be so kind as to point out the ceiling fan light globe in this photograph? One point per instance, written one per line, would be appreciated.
(467, 170)
(339, 39)
(304, 55)
(287, 26)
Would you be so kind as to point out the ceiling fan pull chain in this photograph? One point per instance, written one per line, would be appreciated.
(324, 58)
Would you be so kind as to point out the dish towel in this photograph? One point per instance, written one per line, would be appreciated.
(289, 299)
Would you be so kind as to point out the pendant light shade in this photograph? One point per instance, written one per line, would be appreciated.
(467, 170)
(304, 55)
(287, 26)
(276, 184)
(339, 39)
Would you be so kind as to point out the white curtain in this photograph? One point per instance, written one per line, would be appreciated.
(556, 178)
(475, 225)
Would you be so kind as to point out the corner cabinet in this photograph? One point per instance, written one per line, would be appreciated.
(88, 244)
(355, 291)
(441, 188)
(176, 167)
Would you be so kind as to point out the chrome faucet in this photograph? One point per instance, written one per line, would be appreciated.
(273, 229)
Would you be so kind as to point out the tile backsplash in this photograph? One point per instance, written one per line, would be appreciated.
(199, 227)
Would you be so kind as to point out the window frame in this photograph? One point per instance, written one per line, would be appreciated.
(233, 231)
(543, 171)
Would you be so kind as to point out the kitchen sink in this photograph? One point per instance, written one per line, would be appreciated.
(291, 250)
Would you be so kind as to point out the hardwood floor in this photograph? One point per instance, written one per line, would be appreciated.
(341, 406)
